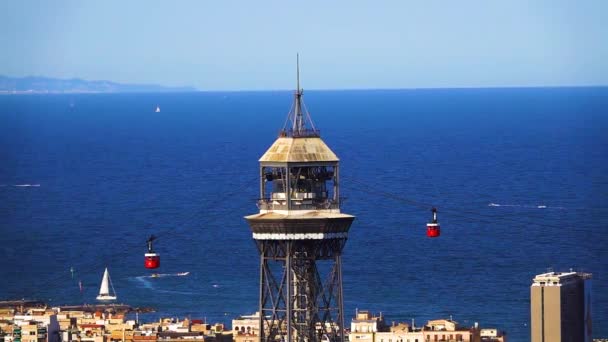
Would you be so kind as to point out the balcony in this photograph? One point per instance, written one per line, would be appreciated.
(297, 203)
(303, 133)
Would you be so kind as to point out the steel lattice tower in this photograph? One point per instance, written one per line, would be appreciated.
(300, 233)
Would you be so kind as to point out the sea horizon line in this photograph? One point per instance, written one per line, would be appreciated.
(51, 92)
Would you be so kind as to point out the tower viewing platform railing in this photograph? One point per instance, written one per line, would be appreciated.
(297, 204)
(303, 133)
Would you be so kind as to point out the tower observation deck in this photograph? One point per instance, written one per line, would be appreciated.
(300, 233)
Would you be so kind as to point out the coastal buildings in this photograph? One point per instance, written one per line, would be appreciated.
(560, 307)
(246, 328)
(55, 325)
(38, 325)
(366, 327)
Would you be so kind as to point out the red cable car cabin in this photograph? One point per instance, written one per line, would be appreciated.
(433, 229)
(151, 259)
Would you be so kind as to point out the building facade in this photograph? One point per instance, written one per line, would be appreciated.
(560, 307)
(366, 327)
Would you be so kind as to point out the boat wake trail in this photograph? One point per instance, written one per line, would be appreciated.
(162, 275)
(541, 206)
(176, 292)
(21, 185)
(144, 279)
(146, 283)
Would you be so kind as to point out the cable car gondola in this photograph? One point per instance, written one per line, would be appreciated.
(151, 259)
(433, 229)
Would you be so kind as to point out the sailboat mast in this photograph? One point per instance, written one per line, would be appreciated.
(112, 285)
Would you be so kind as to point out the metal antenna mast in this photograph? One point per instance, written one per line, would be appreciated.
(301, 122)
(298, 124)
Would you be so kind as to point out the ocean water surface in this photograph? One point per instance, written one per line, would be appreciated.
(520, 177)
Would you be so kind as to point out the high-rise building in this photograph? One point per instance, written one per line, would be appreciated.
(560, 307)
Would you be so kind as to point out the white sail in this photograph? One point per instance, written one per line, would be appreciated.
(105, 284)
(104, 289)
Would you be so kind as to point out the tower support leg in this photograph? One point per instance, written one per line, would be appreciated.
(301, 297)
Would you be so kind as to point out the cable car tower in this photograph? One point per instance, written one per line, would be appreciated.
(300, 233)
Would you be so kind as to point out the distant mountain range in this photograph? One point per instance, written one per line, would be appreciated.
(33, 84)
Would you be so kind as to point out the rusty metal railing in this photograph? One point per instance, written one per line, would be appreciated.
(296, 204)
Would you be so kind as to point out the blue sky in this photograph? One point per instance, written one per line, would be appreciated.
(235, 45)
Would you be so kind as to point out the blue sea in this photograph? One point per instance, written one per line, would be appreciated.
(520, 178)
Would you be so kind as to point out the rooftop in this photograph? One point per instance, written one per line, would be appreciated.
(297, 215)
(556, 278)
(292, 150)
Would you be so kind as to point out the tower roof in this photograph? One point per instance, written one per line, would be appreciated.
(289, 149)
(300, 143)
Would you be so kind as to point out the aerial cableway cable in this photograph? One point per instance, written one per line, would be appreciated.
(94, 267)
(210, 218)
(462, 213)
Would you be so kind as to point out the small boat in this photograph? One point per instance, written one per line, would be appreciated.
(157, 109)
(104, 289)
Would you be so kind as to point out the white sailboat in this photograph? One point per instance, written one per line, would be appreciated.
(157, 109)
(104, 290)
